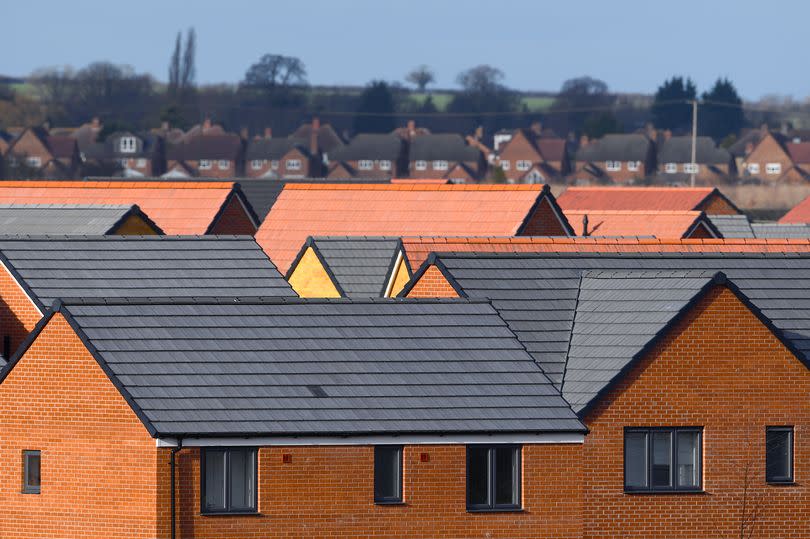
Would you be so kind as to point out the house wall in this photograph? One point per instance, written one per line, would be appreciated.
(18, 314)
(700, 232)
(100, 467)
(717, 205)
(543, 222)
(375, 172)
(309, 279)
(401, 278)
(134, 225)
(327, 491)
(214, 172)
(767, 151)
(307, 170)
(432, 284)
(431, 173)
(233, 219)
(722, 369)
(518, 149)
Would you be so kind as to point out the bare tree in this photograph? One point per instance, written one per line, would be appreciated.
(421, 77)
(174, 67)
(188, 69)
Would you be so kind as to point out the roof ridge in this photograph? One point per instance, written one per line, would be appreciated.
(97, 184)
(248, 300)
(412, 187)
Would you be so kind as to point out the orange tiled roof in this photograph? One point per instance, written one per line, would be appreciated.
(176, 207)
(304, 210)
(660, 224)
(423, 181)
(799, 214)
(633, 198)
(418, 248)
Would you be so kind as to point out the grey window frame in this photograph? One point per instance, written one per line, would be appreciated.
(789, 479)
(389, 500)
(228, 510)
(26, 487)
(673, 464)
(517, 493)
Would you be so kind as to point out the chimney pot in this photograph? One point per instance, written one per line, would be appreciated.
(583, 141)
(206, 124)
(268, 132)
(411, 127)
(537, 128)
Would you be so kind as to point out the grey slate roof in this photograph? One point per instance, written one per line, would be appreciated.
(360, 266)
(732, 226)
(616, 147)
(679, 150)
(67, 219)
(779, 230)
(536, 294)
(273, 148)
(445, 146)
(369, 146)
(618, 313)
(320, 367)
(52, 267)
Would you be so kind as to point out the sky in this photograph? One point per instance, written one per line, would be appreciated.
(633, 45)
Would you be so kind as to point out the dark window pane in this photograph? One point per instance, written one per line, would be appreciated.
(635, 460)
(477, 475)
(241, 479)
(214, 496)
(778, 457)
(32, 471)
(688, 455)
(387, 466)
(662, 459)
(506, 476)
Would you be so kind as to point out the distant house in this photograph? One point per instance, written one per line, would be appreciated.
(55, 156)
(766, 157)
(134, 155)
(711, 162)
(371, 156)
(444, 156)
(326, 139)
(620, 158)
(655, 224)
(282, 158)
(533, 156)
(800, 156)
(705, 199)
(206, 151)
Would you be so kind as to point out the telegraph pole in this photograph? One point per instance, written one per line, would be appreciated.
(694, 142)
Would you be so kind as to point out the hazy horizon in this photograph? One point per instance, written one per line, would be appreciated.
(633, 45)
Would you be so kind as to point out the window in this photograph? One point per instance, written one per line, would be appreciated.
(123, 162)
(691, 168)
(633, 166)
(493, 477)
(671, 168)
(256, 164)
(205, 164)
(223, 164)
(228, 480)
(293, 164)
(274, 165)
(140, 163)
(613, 166)
(523, 165)
(385, 165)
(31, 472)
(753, 168)
(33, 162)
(505, 165)
(128, 144)
(662, 459)
(779, 454)
(420, 165)
(388, 474)
(440, 165)
(773, 168)
(365, 164)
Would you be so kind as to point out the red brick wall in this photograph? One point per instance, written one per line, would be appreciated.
(767, 151)
(700, 233)
(327, 491)
(234, 219)
(543, 222)
(18, 315)
(721, 369)
(518, 149)
(99, 465)
(717, 205)
(432, 284)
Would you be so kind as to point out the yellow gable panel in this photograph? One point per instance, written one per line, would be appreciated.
(134, 225)
(310, 279)
(401, 278)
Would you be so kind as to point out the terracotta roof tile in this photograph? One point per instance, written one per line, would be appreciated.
(660, 224)
(633, 198)
(304, 210)
(176, 207)
(799, 214)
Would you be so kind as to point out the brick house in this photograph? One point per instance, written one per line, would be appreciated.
(134, 155)
(303, 210)
(115, 266)
(658, 348)
(54, 156)
(768, 159)
(533, 156)
(706, 199)
(656, 224)
(282, 158)
(249, 453)
(618, 158)
(207, 151)
(445, 156)
(712, 164)
(182, 207)
(326, 139)
(371, 156)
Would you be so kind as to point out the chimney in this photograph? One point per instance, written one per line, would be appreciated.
(244, 133)
(764, 128)
(479, 133)
(749, 148)
(164, 126)
(95, 123)
(411, 128)
(313, 135)
(537, 128)
(583, 141)
(206, 125)
(667, 134)
(268, 132)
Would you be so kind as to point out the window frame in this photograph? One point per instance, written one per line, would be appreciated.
(790, 478)
(33, 161)
(365, 164)
(420, 165)
(492, 506)
(293, 164)
(26, 488)
(256, 164)
(226, 166)
(633, 166)
(390, 500)
(691, 168)
(773, 168)
(227, 510)
(140, 163)
(385, 164)
(523, 165)
(440, 164)
(752, 168)
(613, 166)
(128, 144)
(673, 463)
(505, 164)
(205, 164)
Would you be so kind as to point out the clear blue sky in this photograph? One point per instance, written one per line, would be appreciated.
(631, 44)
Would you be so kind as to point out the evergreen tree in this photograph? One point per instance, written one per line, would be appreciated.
(672, 108)
(721, 112)
(376, 109)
